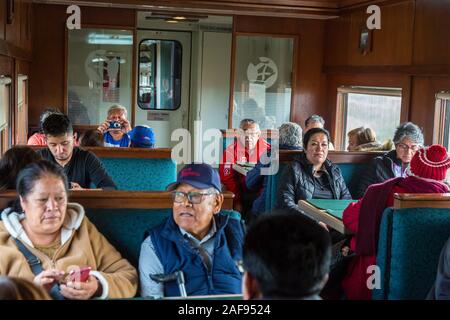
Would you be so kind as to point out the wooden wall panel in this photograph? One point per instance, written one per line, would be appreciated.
(49, 30)
(431, 38)
(310, 82)
(392, 45)
(13, 29)
(423, 102)
(2, 19)
(6, 66)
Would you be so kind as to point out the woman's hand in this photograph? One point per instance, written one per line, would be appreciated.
(48, 278)
(80, 290)
(126, 126)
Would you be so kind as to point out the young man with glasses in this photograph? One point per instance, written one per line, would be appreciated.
(196, 240)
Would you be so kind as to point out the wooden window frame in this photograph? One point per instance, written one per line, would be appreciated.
(341, 107)
(5, 130)
(442, 111)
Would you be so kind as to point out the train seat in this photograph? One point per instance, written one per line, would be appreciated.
(409, 246)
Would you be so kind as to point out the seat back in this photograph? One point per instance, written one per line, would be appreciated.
(409, 246)
(126, 229)
(352, 165)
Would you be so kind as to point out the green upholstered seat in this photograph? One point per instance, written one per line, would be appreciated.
(141, 174)
(126, 229)
(409, 246)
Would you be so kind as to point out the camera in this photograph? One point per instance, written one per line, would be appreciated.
(114, 125)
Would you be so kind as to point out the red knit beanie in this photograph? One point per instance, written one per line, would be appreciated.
(430, 163)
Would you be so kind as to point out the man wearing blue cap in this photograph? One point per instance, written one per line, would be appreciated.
(198, 240)
(142, 137)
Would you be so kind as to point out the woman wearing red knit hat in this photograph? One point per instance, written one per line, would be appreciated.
(425, 174)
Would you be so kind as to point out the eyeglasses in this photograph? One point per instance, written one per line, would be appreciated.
(193, 197)
(249, 133)
(405, 147)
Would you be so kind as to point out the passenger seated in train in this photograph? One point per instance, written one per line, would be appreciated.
(43, 237)
(142, 137)
(14, 160)
(82, 167)
(247, 148)
(91, 138)
(38, 138)
(197, 242)
(425, 174)
(116, 127)
(292, 264)
(316, 121)
(441, 287)
(408, 138)
(290, 138)
(12, 288)
(311, 175)
(365, 139)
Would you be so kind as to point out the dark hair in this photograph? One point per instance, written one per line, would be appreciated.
(91, 138)
(36, 170)
(247, 122)
(57, 124)
(14, 160)
(288, 254)
(314, 118)
(312, 132)
(44, 116)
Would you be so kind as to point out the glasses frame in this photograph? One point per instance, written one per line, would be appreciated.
(188, 196)
(405, 147)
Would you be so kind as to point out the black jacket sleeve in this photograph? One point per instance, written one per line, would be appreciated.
(98, 174)
(287, 187)
(367, 178)
(342, 190)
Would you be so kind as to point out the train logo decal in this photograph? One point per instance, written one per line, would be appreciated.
(265, 72)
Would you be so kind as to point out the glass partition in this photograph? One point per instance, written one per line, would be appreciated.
(159, 74)
(263, 80)
(99, 73)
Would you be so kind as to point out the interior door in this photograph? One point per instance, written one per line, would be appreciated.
(150, 108)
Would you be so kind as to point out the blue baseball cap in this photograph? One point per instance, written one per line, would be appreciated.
(142, 137)
(200, 176)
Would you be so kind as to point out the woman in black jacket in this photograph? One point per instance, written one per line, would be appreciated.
(311, 175)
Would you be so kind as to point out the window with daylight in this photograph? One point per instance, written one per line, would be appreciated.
(374, 107)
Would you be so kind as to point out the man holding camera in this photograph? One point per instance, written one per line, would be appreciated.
(116, 127)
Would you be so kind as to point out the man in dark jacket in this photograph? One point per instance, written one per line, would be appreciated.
(82, 167)
(294, 264)
(196, 240)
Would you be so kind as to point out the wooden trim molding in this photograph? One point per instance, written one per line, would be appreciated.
(421, 200)
(99, 199)
(105, 152)
(10, 50)
(419, 70)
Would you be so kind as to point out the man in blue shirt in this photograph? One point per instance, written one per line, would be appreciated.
(196, 239)
(116, 136)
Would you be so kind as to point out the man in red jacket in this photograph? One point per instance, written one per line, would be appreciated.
(247, 148)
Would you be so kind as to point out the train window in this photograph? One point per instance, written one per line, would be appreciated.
(442, 119)
(5, 103)
(159, 74)
(377, 108)
(263, 80)
(99, 73)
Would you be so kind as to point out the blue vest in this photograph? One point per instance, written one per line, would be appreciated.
(175, 253)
